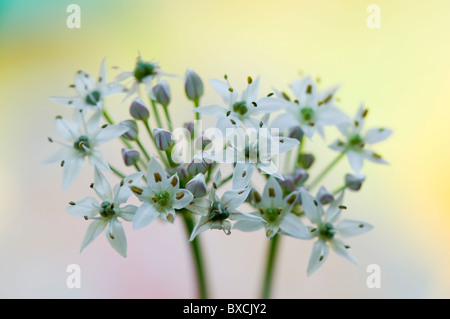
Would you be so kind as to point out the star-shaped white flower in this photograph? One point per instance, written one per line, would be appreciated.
(239, 110)
(355, 142)
(90, 93)
(217, 212)
(160, 198)
(106, 212)
(253, 147)
(82, 140)
(311, 110)
(276, 210)
(328, 230)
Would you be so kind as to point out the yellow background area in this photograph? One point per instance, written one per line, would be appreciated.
(400, 71)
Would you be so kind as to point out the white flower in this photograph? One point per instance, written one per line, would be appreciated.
(276, 211)
(239, 110)
(328, 231)
(145, 72)
(355, 142)
(161, 197)
(311, 110)
(254, 147)
(105, 214)
(90, 93)
(83, 138)
(217, 212)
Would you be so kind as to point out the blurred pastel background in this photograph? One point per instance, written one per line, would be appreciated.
(401, 71)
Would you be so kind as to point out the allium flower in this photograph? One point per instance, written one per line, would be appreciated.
(160, 198)
(328, 231)
(254, 147)
(83, 138)
(105, 213)
(90, 93)
(355, 141)
(311, 110)
(217, 212)
(145, 72)
(276, 210)
(239, 110)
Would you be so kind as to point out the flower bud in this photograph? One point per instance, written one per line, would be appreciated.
(133, 131)
(138, 110)
(197, 165)
(161, 93)
(354, 181)
(296, 132)
(306, 160)
(197, 185)
(130, 157)
(324, 196)
(163, 138)
(193, 85)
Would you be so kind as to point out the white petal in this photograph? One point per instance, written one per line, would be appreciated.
(376, 135)
(293, 226)
(350, 228)
(234, 198)
(116, 237)
(200, 206)
(312, 210)
(101, 186)
(109, 133)
(202, 225)
(84, 207)
(144, 216)
(319, 254)
(355, 160)
(211, 110)
(182, 198)
(242, 175)
(95, 228)
(340, 248)
(71, 170)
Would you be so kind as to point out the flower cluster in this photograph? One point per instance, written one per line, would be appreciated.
(180, 172)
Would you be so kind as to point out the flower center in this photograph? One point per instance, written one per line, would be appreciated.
(107, 209)
(307, 113)
(81, 143)
(356, 140)
(143, 69)
(327, 231)
(240, 107)
(93, 98)
(218, 212)
(162, 199)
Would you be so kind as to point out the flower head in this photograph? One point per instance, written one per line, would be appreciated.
(160, 198)
(328, 230)
(355, 142)
(105, 213)
(90, 93)
(82, 140)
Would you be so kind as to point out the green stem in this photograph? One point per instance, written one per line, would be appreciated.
(326, 171)
(270, 267)
(155, 111)
(197, 253)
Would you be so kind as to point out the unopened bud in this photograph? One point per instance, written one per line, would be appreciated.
(354, 181)
(193, 85)
(163, 138)
(138, 110)
(161, 93)
(133, 131)
(197, 185)
(306, 160)
(324, 196)
(130, 157)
